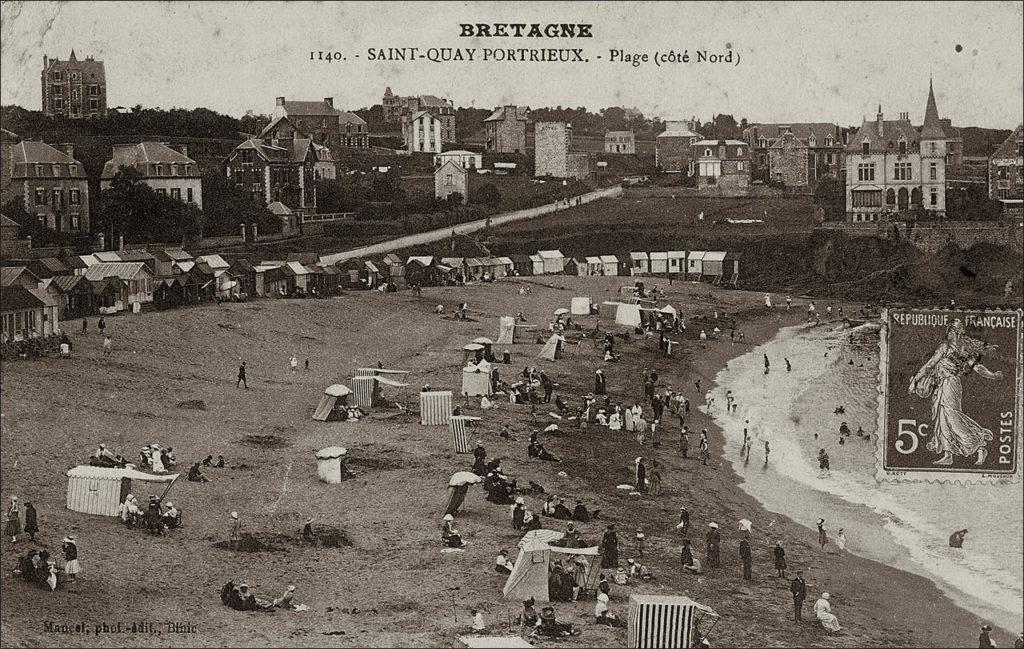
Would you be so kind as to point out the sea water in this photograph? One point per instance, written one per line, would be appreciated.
(906, 525)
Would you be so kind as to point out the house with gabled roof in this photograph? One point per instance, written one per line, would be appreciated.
(278, 166)
(1006, 170)
(505, 129)
(135, 281)
(324, 123)
(168, 171)
(54, 185)
(797, 154)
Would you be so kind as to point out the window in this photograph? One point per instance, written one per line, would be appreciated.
(76, 224)
(935, 198)
(74, 197)
(40, 196)
(57, 90)
(174, 170)
(707, 152)
(865, 148)
(739, 165)
(890, 197)
(449, 180)
(39, 170)
(762, 159)
(902, 147)
(188, 193)
(830, 158)
(931, 147)
(762, 142)
(739, 152)
(58, 197)
(159, 170)
(902, 171)
(866, 198)
(56, 171)
(58, 104)
(58, 76)
(933, 171)
(72, 170)
(161, 191)
(176, 193)
(721, 152)
(94, 90)
(94, 104)
(829, 140)
(866, 171)
(811, 141)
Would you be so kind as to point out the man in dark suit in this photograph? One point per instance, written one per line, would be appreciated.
(799, 590)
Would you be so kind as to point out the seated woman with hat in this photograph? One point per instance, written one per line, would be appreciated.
(449, 534)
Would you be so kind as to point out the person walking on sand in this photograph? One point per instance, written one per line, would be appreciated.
(789, 302)
(31, 521)
(779, 554)
(714, 539)
(14, 520)
(703, 338)
(641, 475)
(101, 326)
(107, 345)
(71, 565)
(984, 640)
(85, 326)
(236, 530)
(798, 587)
(767, 364)
(241, 376)
(705, 451)
(684, 521)
(767, 301)
(767, 452)
(294, 364)
(745, 557)
(822, 534)
(789, 366)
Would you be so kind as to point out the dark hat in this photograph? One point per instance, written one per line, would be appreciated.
(547, 613)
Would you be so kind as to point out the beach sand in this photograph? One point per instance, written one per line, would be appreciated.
(392, 586)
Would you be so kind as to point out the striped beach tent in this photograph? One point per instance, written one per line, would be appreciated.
(664, 621)
(364, 391)
(435, 408)
(457, 427)
(100, 490)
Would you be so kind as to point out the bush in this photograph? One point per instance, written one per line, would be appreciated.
(487, 194)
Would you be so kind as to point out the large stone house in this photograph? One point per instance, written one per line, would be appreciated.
(324, 123)
(451, 178)
(505, 130)
(73, 88)
(398, 109)
(421, 132)
(798, 154)
(278, 166)
(892, 167)
(167, 171)
(623, 142)
(53, 184)
(1005, 173)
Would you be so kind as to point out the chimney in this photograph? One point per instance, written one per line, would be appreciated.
(280, 101)
(329, 101)
(183, 148)
(45, 61)
(120, 242)
(102, 241)
(879, 121)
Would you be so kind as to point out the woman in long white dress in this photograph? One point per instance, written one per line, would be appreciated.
(615, 421)
(953, 432)
(823, 611)
(156, 462)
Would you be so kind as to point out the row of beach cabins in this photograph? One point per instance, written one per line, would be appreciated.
(40, 293)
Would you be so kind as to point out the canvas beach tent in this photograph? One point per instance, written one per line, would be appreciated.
(458, 487)
(552, 348)
(435, 407)
(627, 315)
(334, 395)
(506, 330)
(330, 464)
(580, 306)
(368, 390)
(457, 425)
(666, 621)
(476, 380)
(100, 490)
(529, 577)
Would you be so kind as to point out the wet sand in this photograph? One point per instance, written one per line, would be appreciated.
(392, 586)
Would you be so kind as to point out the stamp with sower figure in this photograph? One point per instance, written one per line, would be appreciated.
(949, 406)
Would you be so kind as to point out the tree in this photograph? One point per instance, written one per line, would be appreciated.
(830, 195)
(340, 195)
(132, 209)
(225, 207)
(487, 195)
(454, 199)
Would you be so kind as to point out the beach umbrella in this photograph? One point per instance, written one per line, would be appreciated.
(483, 340)
(561, 311)
(337, 390)
(745, 525)
(542, 535)
(472, 347)
(464, 478)
(331, 452)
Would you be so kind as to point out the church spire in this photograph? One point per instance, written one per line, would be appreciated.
(932, 128)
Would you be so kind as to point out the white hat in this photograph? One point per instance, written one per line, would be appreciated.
(103, 446)
(601, 597)
(170, 504)
(825, 595)
(69, 539)
(820, 521)
(234, 514)
(520, 501)
(714, 525)
(291, 588)
(448, 517)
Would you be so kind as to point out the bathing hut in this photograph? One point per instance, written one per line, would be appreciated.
(100, 490)
(457, 425)
(731, 268)
(476, 380)
(333, 397)
(695, 265)
(640, 263)
(330, 464)
(665, 621)
(609, 265)
(712, 266)
(677, 261)
(658, 263)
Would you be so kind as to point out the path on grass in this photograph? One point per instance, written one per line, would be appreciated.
(472, 226)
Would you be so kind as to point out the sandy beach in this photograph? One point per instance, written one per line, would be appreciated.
(388, 584)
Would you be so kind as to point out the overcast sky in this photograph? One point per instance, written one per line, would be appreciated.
(798, 61)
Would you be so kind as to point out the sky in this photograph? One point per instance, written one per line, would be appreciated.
(829, 62)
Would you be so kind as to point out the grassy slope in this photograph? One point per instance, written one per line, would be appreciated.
(57, 411)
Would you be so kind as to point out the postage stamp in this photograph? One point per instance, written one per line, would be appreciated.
(949, 406)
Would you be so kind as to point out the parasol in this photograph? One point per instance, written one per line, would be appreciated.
(464, 478)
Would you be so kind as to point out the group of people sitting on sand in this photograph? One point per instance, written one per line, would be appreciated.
(155, 518)
(544, 624)
(105, 458)
(153, 458)
(37, 567)
(555, 507)
(240, 598)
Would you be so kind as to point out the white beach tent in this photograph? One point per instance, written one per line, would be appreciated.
(580, 306)
(332, 395)
(627, 315)
(610, 265)
(659, 262)
(330, 464)
(529, 577)
(549, 351)
(506, 329)
(99, 490)
(669, 309)
(476, 379)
